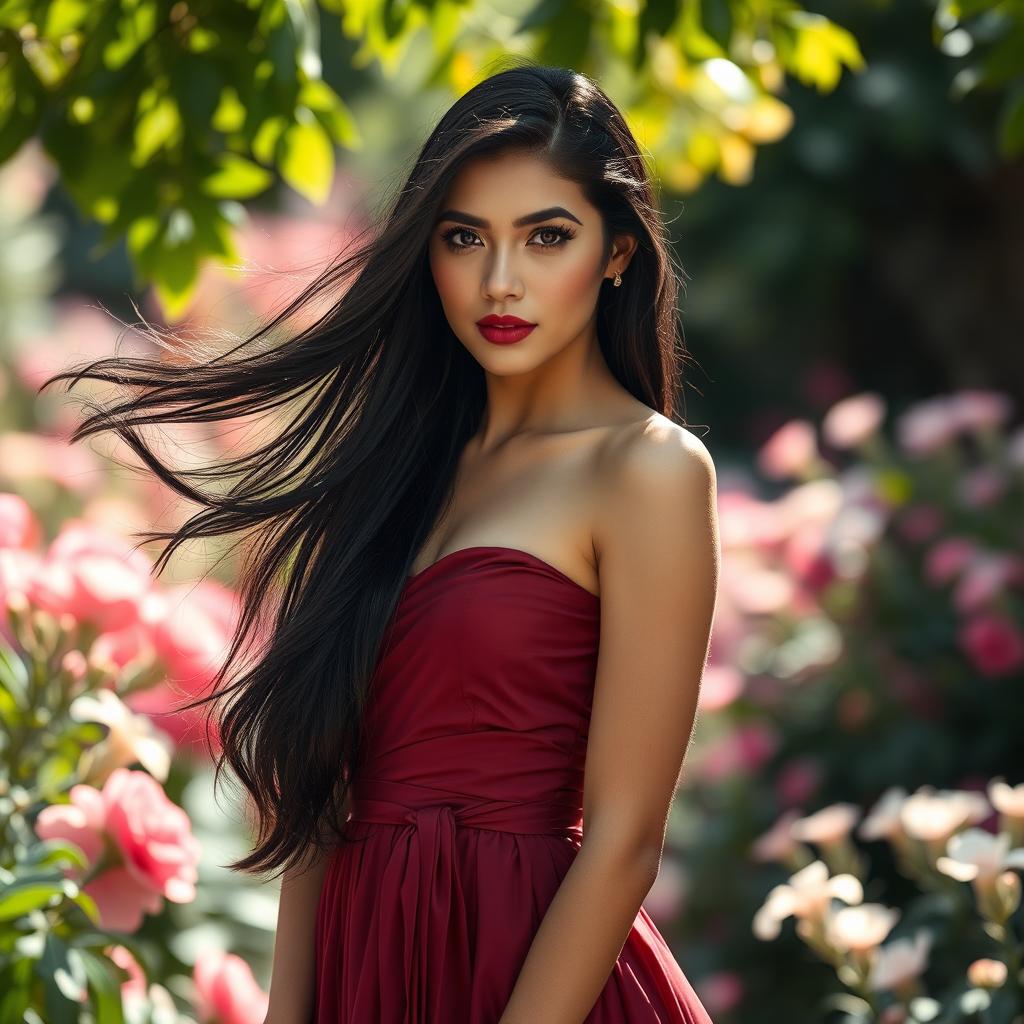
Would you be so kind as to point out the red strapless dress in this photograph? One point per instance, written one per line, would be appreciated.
(468, 812)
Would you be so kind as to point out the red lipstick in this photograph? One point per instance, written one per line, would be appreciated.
(504, 330)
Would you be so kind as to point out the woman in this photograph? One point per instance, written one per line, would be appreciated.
(491, 555)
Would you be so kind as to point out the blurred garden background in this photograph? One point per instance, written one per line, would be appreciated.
(844, 185)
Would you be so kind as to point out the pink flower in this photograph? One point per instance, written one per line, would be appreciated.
(797, 781)
(926, 427)
(792, 451)
(720, 992)
(854, 420)
(226, 991)
(975, 410)
(153, 834)
(981, 487)
(17, 569)
(948, 558)
(94, 576)
(19, 527)
(26, 456)
(191, 627)
(152, 852)
(777, 844)
(135, 988)
(720, 687)
(742, 751)
(993, 643)
(919, 523)
(985, 580)
(666, 895)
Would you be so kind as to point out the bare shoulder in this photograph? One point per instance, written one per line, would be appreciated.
(648, 469)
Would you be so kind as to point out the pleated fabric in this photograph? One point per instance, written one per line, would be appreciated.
(468, 810)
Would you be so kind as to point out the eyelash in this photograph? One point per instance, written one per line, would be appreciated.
(564, 234)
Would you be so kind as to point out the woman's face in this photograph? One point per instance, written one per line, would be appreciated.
(545, 269)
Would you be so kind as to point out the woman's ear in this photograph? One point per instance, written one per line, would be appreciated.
(623, 247)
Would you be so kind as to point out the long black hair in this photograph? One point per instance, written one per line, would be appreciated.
(374, 400)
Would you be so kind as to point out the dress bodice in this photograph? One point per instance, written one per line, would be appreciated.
(484, 684)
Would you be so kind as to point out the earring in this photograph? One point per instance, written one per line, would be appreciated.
(617, 281)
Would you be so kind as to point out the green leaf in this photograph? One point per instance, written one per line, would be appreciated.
(55, 772)
(236, 178)
(332, 112)
(1011, 124)
(156, 129)
(27, 895)
(105, 988)
(307, 159)
(14, 677)
(55, 852)
(64, 980)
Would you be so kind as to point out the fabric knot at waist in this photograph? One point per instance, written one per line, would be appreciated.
(429, 918)
(389, 802)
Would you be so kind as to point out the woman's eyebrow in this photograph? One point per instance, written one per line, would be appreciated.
(529, 218)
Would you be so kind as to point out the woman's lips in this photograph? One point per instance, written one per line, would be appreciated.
(505, 335)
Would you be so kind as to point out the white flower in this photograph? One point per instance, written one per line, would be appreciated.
(858, 929)
(901, 961)
(883, 820)
(1006, 799)
(777, 843)
(977, 855)
(807, 895)
(931, 815)
(131, 737)
(829, 825)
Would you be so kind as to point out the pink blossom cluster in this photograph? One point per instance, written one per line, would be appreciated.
(91, 577)
(138, 844)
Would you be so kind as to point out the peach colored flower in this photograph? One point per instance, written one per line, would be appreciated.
(987, 973)
(861, 928)
(884, 819)
(226, 992)
(828, 826)
(854, 420)
(807, 896)
(130, 738)
(1007, 799)
(777, 844)
(993, 643)
(900, 962)
(934, 816)
(975, 855)
(27, 457)
(790, 452)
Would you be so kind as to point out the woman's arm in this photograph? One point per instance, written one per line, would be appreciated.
(293, 970)
(657, 541)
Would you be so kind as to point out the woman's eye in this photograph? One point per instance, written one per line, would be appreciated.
(560, 235)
